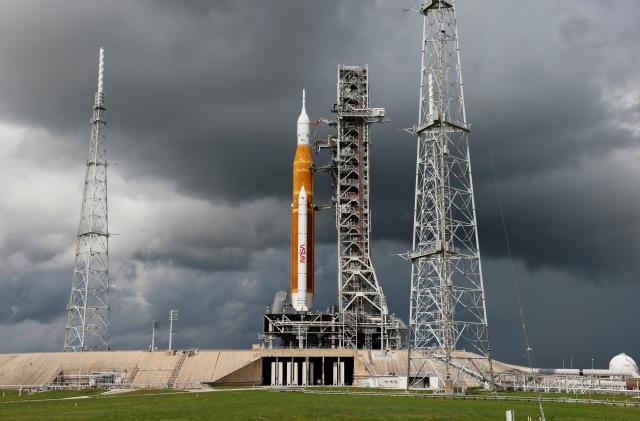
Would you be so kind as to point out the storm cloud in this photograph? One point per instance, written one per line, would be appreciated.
(202, 100)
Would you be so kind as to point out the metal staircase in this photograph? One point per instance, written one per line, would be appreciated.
(171, 383)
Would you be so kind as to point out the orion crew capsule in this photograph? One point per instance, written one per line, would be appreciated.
(302, 223)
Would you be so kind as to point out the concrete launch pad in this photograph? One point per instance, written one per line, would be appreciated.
(204, 368)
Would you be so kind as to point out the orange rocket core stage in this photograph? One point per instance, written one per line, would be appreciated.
(302, 177)
(302, 218)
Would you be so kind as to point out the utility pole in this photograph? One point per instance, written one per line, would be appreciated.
(87, 326)
(155, 324)
(173, 315)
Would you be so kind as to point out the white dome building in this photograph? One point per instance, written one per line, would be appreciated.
(622, 364)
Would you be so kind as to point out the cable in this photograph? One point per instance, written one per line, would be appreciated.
(525, 336)
(505, 231)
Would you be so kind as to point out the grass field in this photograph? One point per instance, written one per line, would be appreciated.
(269, 405)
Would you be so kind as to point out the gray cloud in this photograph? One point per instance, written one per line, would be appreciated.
(202, 100)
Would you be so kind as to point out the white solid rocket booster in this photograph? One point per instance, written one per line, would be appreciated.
(303, 251)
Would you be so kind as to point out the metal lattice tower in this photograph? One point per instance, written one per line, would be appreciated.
(447, 302)
(87, 327)
(366, 322)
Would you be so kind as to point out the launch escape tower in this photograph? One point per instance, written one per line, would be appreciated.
(361, 302)
(87, 327)
(447, 300)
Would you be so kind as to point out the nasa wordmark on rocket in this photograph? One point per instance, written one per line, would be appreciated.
(302, 224)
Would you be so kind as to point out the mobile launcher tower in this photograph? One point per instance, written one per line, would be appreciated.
(361, 320)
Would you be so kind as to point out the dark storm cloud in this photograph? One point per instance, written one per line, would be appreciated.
(217, 91)
(586, 225)
(202, 100)
(565, 317)
(35, 296)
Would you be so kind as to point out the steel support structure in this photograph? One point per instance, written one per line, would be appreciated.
(447, 300)
(301, 330)
(87, 327)
(365, 317)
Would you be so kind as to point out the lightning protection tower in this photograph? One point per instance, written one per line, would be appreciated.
(447, 300)
(87, 327)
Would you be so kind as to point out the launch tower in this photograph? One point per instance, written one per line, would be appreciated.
(447, 300)
(87, 327)
(361, 302)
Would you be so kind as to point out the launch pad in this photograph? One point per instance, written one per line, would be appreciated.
(193, 368)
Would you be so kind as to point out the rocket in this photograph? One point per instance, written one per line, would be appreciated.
(302, 225)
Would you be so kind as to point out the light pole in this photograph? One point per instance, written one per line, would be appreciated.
(173, 315)
(154, 325)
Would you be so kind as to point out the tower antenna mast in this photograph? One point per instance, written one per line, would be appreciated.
(87, 327)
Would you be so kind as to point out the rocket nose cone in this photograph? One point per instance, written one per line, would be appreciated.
(303, 123)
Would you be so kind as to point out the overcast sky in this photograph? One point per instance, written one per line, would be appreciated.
(203, 97)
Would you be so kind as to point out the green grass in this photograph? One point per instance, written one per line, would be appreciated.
(14, 395)
(595, 396)
(267, 405)
(482, 392)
